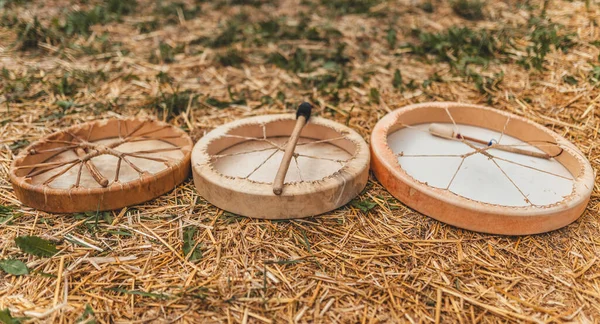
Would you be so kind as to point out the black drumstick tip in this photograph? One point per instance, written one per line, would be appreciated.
(304, 110)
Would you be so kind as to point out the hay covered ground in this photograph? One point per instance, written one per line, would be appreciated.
(200, 64)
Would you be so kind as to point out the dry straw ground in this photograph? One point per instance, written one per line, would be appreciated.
(201, 64)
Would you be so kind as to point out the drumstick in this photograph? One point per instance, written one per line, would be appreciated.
(449, 133)
(92, 168)
(302, 116)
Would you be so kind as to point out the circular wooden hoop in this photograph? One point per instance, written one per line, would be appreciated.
(299, 199)
(459, 211)
(115, 194)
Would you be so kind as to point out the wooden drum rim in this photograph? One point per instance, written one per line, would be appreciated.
(462, 212)
(115, 195)
(301, 199)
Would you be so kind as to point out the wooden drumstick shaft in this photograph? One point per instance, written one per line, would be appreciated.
(92, 168)
(302, 116)
(511, 149)
(449, 133)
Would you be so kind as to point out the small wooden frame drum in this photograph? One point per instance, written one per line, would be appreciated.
(101, 165)
(234, 167)
(480, 168)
